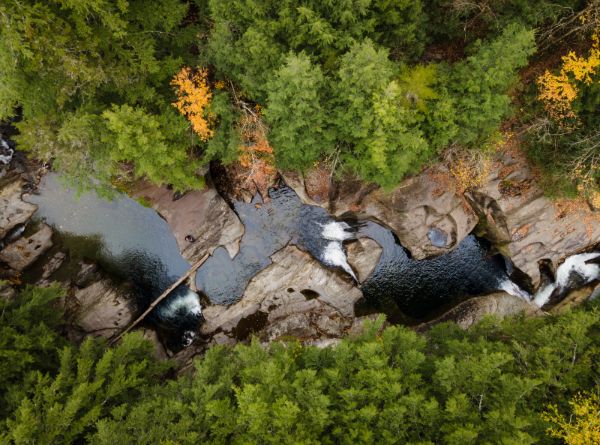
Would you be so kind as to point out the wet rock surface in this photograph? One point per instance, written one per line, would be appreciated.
(200, 220)
(102, 309)
(364, 255)
(422, 213)
(531, 226)
(294, 296)
(13, 210)
(26, 250)
(469, 312)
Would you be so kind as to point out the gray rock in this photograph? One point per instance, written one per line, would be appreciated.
(202, 215)
(25, 251)
(53, 264)
(363, 256)
(299, 296)
(420, 206)
(469, 312)
(359, 324)
(159, 350)
(531, 226)
(88, 272)
(7, 293)
(13, 210)
(575, 298)
(103, 309)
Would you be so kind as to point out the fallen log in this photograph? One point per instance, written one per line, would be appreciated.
(160, 298)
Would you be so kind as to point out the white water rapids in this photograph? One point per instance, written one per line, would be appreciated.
(333, 254)
(576, 271)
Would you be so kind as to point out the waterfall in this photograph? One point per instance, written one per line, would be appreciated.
(576, 271)
(6, 153)
(333, 254)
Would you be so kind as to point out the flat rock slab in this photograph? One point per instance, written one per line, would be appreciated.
(25, 251)
(102, 310)
(202, 214)
(469, 312)
(363, 256)
(298, 296)
(13, 210)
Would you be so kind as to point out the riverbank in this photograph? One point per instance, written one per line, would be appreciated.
(295, 294)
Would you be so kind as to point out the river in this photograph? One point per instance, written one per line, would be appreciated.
(136, 244)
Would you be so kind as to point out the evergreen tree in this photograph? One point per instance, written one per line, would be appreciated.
(299, 125)
(63, 63)
(28, 341)
(381, 138)
(480, 84)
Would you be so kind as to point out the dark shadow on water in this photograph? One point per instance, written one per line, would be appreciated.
(401, 285)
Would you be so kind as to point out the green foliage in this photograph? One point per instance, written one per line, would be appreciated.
(352, 79)
(299, 131)
(65, 62)
(28, 341)
(480, 84)
(154, 143)
(251, 39)
(92, 382)
(466, 21)
(224, 145)
(381, 139)
(489, 384)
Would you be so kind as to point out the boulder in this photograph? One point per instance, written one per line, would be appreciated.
(159, 350)
(360, 323)
(363, 255)
(13, 210)
(200, 220)
(7, 292)
(53, 264)
(88, 273)
(514, 212)
(469, 312)
(296, 181)
(575, 298)
(294, 296)
(313, 188)
(102, 309)
(425, 213)
(25, 251)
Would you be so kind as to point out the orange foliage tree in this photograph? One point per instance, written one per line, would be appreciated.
(256, 154)
(193, 97)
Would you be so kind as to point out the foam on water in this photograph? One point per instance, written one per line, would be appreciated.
(510, 287)
(4, 148)
(334, 255)
(337, 231)
(189, 303)
(188, 337)
(574, 272)
(543, 294)
(576, 265)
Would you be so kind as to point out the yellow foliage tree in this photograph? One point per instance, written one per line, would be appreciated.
(583, 425)
(193, 96)
(558, 91)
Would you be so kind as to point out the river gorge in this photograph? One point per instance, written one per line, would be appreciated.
(285, 264)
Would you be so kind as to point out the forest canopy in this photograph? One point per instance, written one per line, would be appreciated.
(104, 88)
(517, 381)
